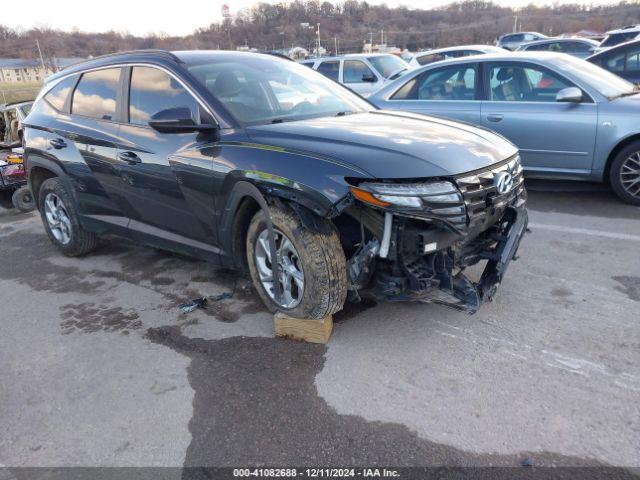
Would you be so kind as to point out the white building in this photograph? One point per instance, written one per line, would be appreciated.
(14, 70)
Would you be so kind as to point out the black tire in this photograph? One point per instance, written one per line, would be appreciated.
(322, 260)
(22, 199)
(615, 174)
(80, 241)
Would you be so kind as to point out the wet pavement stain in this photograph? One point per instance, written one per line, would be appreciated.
(561, 292)
(630, 286)
(255, 403)
(25, 260)
(89, 318)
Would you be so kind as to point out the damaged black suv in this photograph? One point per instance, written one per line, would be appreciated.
(255, 162)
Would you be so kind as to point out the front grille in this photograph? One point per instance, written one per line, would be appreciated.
(481, 195)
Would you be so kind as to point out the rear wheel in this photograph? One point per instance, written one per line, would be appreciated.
(60, 219)
(624, 174)
(312, 266)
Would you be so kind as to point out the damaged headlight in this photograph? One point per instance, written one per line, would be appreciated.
(407, 195)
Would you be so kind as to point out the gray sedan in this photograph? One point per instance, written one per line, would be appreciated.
(569, 118)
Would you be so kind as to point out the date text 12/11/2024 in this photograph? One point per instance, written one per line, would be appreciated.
(316, 473)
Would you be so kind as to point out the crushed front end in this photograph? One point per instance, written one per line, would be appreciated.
(418, 238)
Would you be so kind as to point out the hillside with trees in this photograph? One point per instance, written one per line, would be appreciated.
(347, 24)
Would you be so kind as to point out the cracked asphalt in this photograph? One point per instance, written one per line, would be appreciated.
(100, 368)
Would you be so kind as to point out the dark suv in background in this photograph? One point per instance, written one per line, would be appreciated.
(256, 162)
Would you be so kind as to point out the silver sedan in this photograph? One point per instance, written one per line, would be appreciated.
(569, 118)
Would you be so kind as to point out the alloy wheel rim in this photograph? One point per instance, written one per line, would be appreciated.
(291, 272)
(630, 175)
(57, 218)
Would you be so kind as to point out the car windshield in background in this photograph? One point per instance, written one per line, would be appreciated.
(388, 65)
(617, 38)
(257, 89)
(607, 83)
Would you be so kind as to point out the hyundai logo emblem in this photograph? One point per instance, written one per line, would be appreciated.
(503, 182)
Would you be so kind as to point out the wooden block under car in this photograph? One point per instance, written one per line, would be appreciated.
(308, 330)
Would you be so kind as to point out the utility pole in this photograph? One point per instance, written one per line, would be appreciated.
(318, 50)
(515, 24)
(335, 45)
(44, 70)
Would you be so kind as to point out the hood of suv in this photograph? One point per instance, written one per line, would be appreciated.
(391, 144)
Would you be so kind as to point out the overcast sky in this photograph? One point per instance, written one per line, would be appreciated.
(145, 16)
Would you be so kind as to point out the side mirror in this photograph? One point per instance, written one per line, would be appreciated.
(177, 120)
(569, 94)
(369, 78)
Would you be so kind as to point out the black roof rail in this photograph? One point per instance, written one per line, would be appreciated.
(152, 51)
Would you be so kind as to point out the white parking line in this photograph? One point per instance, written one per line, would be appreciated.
(585, 231)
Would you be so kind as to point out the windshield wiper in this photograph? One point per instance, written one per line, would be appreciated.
(278, 120)
(343, 113)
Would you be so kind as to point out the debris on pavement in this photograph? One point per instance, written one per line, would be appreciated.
(192, 305)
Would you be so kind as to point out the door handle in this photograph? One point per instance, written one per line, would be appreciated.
(495, 117)
(129, 157)
(58, 143)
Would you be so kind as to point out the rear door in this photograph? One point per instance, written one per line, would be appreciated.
(553, 137)
(166, 178)
(448, 91)
(88, 136)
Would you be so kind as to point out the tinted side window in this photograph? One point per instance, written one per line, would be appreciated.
(57, 96)
(633, 59)
(614, 63)
(453, 83)
(355, 70)
(153, 90)
(537, 48)
(96, 93)
(519, 83)
(330, 69)
(577, 47)
(426, 59)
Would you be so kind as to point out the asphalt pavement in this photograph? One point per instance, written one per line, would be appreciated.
(100, 368)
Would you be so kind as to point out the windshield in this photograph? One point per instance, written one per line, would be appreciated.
(616, 38)
(388, 65)
(258, 89)
(605, 82)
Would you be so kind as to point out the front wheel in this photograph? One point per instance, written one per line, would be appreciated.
(312, 265)
(624, 174)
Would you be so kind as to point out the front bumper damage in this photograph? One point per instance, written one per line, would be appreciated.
(417, 258)
(409, 274)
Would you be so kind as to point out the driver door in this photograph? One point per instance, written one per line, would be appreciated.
(553, 137)
(167, 178)
(359, 77)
